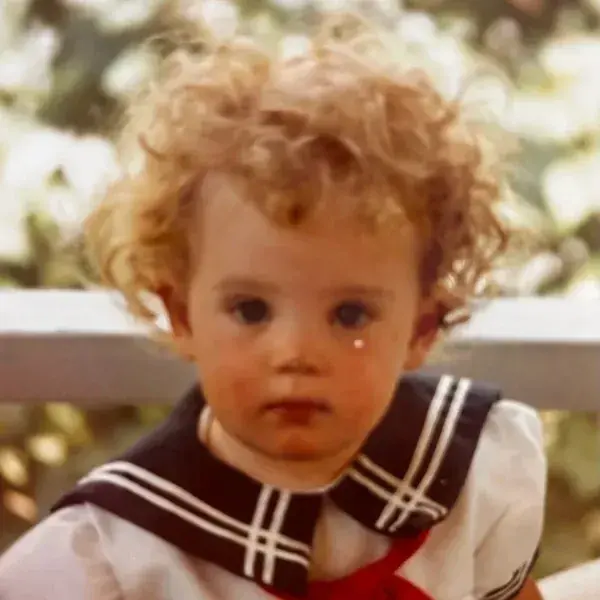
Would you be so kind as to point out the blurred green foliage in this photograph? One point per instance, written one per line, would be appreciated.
(66, 67)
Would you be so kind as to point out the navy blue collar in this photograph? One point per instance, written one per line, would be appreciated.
(405, 480)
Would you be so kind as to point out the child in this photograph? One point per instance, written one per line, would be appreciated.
(311, 226)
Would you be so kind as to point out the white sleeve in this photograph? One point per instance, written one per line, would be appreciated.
(515, 457)
(62, 557)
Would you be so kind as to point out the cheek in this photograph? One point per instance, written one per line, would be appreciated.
(229, 381)
(386, 347)
(370, 373)
(373, 370)
(228, 368)
(223, 359)
(213, 338)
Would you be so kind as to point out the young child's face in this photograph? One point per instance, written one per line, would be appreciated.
(299, 334)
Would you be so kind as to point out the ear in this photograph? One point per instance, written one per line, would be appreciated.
(425, 335)
(176, 309)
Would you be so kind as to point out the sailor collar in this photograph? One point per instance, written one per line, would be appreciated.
(405, 480)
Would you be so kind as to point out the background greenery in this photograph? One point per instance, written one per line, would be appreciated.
(66, 67)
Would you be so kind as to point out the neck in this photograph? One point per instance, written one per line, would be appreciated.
(310, 475)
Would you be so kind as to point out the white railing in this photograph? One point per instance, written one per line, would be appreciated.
(578, 583)
(82, 347)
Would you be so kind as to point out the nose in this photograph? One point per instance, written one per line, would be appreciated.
(298, 348)
(298, 366)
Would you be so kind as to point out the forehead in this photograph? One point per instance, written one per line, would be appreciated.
(231, 236)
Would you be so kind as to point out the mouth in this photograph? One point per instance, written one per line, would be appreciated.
(298, 409)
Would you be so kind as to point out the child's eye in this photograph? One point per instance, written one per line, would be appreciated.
(352, 315)
(252, 311)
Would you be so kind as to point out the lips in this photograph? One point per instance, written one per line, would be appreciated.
(299, 404)
(298, 410)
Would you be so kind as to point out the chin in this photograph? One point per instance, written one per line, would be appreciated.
(299, 448)
(300, 454)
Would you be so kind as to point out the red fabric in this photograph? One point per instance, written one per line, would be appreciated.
(377, 581)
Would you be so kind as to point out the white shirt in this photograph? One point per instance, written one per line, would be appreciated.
(483, 548)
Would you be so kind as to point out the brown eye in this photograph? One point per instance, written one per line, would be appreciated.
(351, 315)
(252, 311)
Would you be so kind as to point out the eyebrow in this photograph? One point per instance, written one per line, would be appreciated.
(235, 284)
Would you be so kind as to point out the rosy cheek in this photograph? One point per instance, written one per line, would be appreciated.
(373, 369)
(234, 365)
(228, 361)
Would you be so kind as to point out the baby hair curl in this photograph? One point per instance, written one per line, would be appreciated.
(342, 119)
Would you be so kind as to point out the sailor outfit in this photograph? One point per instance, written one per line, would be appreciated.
(444, 502)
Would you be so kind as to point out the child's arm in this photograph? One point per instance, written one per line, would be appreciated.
(61, 558)
(516, 484)
(530, 591)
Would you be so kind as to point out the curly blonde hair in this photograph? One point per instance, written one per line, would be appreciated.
(341, 116)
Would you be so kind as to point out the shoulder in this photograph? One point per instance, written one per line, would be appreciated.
(493, 448)
(495, 443)
(509, 467)
(84, 551)
(508, 489)
(69, 530)
(493, 531)
(66, 553)
(504, 495)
